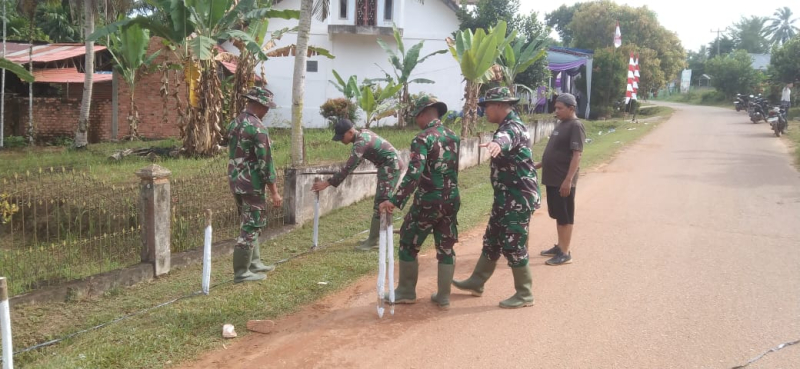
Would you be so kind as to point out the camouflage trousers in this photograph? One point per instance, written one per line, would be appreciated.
(424, 218)
(253, 210)
(388, 177)
(507, 231)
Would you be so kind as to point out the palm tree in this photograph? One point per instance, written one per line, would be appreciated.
(476, 55)
(404, 64)
(750, 34)
(90, 9)
(782, 27)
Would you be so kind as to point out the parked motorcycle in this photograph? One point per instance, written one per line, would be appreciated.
(778, 120)
(759, 109)
(741, 102)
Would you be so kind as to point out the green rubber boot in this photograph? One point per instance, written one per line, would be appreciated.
(406, 291)
(474, 284)
(241, 267)
(522, 283)
(374, 232)
(445, 278)
(256, 266)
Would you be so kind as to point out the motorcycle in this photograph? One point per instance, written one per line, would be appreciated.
(759, 109)
(778, 120)
(741, 102)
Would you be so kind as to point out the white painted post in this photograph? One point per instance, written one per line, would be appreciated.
(207, 254)
(390, 255)
(381, 264)
(5, 326)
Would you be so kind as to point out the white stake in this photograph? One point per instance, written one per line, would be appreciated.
(207, 254)
(390, 254)
(5, 326)
(316, 222)
(381, 264)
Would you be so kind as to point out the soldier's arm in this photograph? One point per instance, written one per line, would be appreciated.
(507, 139)
(416, 165)
(356, 156)
(263, 150)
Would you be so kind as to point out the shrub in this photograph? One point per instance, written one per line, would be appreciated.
(335, 109)
(712, 97)
(12, 142)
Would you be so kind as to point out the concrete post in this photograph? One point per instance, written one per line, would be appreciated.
(535, 127)
(290, 195)
(154, 216)
(5, 326)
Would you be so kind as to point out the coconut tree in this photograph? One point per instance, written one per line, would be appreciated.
(404, 64)
(782, 26)
(90, 10)
(517, 57)
(476, 54)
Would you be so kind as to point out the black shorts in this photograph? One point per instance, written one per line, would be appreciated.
(562, 209)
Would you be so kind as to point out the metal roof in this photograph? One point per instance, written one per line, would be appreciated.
(51, 52)
(66, 75)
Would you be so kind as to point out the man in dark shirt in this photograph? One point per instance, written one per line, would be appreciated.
(561, 162)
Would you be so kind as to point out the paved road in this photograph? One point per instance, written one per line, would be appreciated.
(687, 255)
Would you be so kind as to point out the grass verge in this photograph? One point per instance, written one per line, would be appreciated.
(189, 327)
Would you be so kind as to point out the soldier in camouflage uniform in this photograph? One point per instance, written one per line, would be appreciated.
(250, 170)
(367, 145)
(516, 196)
(433, 174)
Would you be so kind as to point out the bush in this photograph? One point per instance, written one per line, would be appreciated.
(794, 113)
(335, 109)
(733, 73)
(12, 142)
(712, 97)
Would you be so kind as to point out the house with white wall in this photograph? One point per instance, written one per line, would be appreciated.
(350, 33)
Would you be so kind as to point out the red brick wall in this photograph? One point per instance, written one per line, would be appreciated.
(54, 116)
(149, 101)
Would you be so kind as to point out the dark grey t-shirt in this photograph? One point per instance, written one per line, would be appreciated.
(568, 136)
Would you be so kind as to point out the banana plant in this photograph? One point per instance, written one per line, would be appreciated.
(193, 28)
(128, 48)
(476, 54)
(17, 69)
(404, 64)
(349, 88)
(517, 57)
(376, 105)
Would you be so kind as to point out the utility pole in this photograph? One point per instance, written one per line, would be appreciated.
(718, 31)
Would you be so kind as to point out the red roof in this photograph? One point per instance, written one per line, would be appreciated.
(12, 47)
(51, 53)
(231, 65)
(66, 75)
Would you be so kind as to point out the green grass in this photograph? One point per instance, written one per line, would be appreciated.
(189, 327)
(708, 97)
(794, 138)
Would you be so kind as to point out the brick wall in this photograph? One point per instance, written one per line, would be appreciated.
(54, 116)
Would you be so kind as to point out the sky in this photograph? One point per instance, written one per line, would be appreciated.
(692, 20)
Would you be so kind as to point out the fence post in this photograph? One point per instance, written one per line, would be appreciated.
(535, 128)
(154, 216)
(290, 196)
(5, 326)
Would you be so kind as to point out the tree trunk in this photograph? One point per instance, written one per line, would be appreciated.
(470, 110)
(3, 87)
(81, 135)
(299, 80)
(133, 116)
(29, 131)
(402, 113)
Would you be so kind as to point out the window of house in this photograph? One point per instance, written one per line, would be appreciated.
(388, 7)
(312, 66)
(343, 9)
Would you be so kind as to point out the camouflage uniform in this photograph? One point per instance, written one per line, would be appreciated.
(368, 145)
(433, 173)
(250, 169)
(516, 193)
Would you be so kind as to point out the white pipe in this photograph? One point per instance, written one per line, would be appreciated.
(381, 264)
(207, 254)
(315, 238)
(5, 326)
(390, 254)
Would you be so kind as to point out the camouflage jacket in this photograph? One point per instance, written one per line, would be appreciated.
(250, 165)
(433, 167)
(512, 170)
(367, 145)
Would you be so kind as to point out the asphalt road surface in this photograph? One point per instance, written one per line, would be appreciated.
(686, 255)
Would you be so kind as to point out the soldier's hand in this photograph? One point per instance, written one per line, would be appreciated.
(277, 200)
(386, 207)
(493, 147)
(319, 186)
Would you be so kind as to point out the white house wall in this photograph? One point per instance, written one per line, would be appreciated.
(358, 55)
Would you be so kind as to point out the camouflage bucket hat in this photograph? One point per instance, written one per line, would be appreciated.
(425, 101)
(499, 94)
(261, 96)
